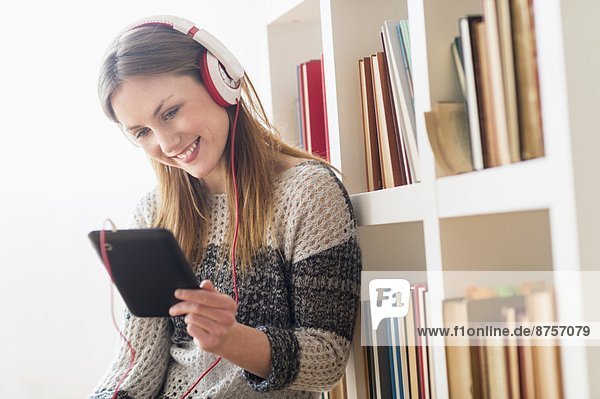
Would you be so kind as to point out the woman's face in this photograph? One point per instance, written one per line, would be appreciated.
(175, 121)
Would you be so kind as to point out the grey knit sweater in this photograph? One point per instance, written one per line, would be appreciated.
(302, 291)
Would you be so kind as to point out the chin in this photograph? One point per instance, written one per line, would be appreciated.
(200, 171)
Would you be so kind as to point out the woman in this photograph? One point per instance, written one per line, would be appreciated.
(296, 270)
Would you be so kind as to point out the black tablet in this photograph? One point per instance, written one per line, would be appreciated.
(147, 267)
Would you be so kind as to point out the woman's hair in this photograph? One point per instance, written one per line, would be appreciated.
(154, 50)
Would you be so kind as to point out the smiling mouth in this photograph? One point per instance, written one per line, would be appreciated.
(190, 149)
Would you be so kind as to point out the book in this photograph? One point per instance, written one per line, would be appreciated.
(546, 358)
(411, 346)
(429, 349)
(525, 351)
(495, 82)
(402, 99)
(369, 120)
(391, 166)
(497, 376)
(448, 132)
(404, 35)
(494, 378)
(469, 58)
(508, 77)
(458, 351)
(528, 97)
(479, 367)
(456, 50)
(313, 109)
(395, 363)
(418, 291)
(509, 316)
(403, 356)
(491, 153)
(381, 363)
(371, 383)
(339, 391)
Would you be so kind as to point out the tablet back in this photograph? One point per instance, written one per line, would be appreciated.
(147, 267)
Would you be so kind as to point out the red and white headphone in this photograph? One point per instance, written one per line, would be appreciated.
(220, 71)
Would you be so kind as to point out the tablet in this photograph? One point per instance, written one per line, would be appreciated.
(147, 267)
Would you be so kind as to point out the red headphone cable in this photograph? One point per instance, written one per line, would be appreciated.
(112, 306)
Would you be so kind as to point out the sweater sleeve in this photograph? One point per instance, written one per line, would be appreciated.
(149, 337)
(322, 249)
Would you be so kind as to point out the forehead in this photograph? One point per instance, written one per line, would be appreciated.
(138, 97)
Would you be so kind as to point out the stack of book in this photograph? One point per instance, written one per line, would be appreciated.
(388, 112)
(398, 361)
(502, 367)
(312, 111)
(500, 120)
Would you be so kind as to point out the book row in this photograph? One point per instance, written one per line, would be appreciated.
(388, 113)
(499, 120)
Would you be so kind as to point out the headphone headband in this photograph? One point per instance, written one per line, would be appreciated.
(212, 44)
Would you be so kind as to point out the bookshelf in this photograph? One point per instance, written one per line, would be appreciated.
(536, 215)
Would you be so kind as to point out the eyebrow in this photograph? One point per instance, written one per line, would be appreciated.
(156, 111)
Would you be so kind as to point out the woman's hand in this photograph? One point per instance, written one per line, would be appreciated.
(210, 315)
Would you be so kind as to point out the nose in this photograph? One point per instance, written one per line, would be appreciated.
(168, 141)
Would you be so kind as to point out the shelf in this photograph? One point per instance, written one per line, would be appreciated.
(516, 187)
(394, 205)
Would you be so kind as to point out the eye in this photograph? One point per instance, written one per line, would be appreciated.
(138, 134)
(170, 114)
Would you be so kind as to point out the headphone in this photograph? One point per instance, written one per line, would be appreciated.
(220, 71)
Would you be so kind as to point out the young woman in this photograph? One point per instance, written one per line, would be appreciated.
(297, 258)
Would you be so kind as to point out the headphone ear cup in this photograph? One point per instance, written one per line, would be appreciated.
(223, 90)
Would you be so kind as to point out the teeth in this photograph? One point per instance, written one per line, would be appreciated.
(186, 154)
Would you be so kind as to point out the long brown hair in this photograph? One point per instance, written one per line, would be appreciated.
(154, 50)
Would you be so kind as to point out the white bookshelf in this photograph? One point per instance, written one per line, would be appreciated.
(537, 215)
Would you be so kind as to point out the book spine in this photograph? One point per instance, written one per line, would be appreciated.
(472, 103)
(496, 88)
(528, 98)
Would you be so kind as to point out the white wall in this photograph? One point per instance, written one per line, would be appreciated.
(63, 169)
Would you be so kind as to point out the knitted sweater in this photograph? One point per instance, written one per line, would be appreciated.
(302, 291)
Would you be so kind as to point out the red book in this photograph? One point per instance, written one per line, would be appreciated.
(313, 110)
